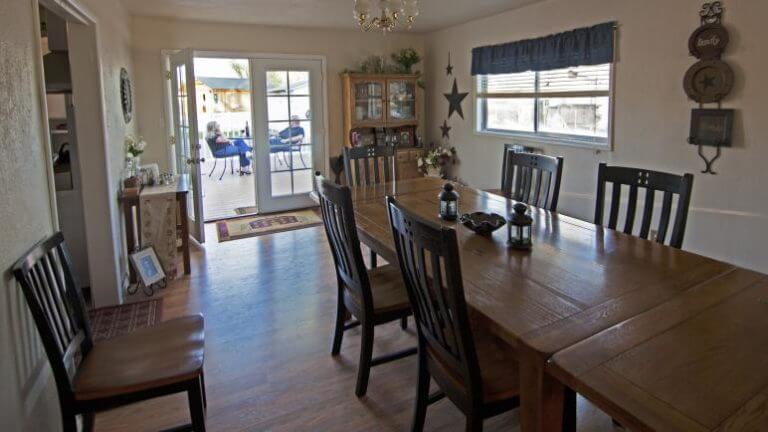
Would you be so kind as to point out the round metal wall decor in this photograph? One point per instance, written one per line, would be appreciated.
(126, 98)
(708, 41)
(708, 81)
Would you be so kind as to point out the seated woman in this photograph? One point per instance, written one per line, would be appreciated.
(222, 147)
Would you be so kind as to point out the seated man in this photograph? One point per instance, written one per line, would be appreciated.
(288, 139)
(222, 147)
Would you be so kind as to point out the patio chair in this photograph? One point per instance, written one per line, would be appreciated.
(212, 147)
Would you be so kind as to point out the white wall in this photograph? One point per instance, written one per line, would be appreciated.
(28, 400)
(728, 215)
(342, 49)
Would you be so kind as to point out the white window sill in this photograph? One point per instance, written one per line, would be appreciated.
(532, 138)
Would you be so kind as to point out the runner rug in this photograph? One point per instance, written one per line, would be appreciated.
(251, 226)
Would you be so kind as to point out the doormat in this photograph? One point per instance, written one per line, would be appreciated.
(246, 210)
(112, 321)
(233, 229)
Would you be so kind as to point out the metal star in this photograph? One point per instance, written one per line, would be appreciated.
(707, 82)
(445, 129)
(454, 100)
(449, 68)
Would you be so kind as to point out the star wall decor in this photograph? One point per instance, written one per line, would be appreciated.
(445, 129)
(454, 100)
(449, 68)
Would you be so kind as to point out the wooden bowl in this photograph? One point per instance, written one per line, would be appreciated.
(482, 223)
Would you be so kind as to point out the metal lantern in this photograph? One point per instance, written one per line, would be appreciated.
(519, 228)
(449, 203)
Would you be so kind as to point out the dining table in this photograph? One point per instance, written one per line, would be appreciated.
(579, 296)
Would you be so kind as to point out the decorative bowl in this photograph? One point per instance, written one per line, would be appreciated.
(482, 223)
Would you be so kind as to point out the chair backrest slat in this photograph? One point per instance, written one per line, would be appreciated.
(429, 261)
(523, 178)
(341, 230)
(366, 175)
(651, 181)
(58, 309)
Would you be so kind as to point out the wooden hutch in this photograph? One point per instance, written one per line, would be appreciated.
(383, 109)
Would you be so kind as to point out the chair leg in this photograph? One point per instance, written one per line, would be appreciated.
(474, 423)
(366, 353)
(232, 167)
(214, 166)
(202, 387)
(88, 421)
(196, 407)
(404, 322)
(301, 156)
(569, 410)
(422, 395)
(341, 317)
(373, 260)
(69, 422)
(225, 169)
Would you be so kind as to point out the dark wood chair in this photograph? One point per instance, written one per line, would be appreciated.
(374, 296)
(364, 166)
(652, 181)
(478, 373)
(147, 363)
(531, 178)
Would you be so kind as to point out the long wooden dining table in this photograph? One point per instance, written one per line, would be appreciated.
(579, 280)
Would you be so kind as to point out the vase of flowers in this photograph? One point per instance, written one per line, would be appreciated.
(436, 161)
(405, 59)
(134, 147)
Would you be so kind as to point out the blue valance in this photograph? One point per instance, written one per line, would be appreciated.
(584, 46)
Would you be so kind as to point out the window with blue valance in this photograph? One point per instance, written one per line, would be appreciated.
(579, 47)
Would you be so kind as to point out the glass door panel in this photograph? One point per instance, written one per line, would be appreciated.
(369, 101)
(401, 95)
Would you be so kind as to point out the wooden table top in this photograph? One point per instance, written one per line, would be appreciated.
(698, 362)
(578, 279)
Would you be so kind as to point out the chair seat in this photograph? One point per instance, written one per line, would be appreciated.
(498, 367)
(168, 353)
(388, 289)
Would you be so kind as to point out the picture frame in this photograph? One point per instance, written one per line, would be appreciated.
(147, 266)
(711, 127)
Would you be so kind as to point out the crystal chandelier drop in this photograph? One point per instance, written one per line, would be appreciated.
(388, 15)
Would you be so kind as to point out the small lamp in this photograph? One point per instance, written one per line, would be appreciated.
(449, 203)
(519, 228)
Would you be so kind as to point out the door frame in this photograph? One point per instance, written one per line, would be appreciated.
(165, 64)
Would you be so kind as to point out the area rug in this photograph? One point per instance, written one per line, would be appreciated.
(112, 321)
(246, 210)
(251, 226)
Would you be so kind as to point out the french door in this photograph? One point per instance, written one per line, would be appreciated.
(288, 131)
(185, 136)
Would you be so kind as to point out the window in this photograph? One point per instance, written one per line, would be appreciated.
(563, 105)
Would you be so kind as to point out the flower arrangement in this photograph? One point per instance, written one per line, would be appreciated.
(134, 146)
(434, 162)
(406, 58)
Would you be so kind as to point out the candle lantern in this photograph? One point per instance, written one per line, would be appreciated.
(449, 203)
(519, 228)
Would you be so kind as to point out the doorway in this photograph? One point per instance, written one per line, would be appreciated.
(248, 129)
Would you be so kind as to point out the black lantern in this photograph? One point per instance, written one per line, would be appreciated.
(449, 203)
(519, 228)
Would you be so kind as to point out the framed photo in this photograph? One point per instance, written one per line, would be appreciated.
(711, 127)
(148, 267)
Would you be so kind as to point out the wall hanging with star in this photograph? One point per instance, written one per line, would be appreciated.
(454, 100)
(709, 81)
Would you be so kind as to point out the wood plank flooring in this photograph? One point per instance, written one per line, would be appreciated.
(269, 304)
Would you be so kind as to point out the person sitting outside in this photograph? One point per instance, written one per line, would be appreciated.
(222, 147)
(289, 138)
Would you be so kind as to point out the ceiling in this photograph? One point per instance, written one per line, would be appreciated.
(435, 14)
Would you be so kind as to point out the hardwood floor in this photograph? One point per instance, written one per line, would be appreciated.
(269, 306)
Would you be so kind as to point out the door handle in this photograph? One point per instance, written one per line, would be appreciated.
(190, 161)
(201, 160)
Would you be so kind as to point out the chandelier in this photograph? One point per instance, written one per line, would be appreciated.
(390, 14)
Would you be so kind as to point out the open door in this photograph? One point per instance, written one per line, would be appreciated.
(288, 131)
(186, 137)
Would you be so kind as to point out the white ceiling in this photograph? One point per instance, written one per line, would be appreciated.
(435, 14)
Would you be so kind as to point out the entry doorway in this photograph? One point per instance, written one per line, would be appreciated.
(248, 129)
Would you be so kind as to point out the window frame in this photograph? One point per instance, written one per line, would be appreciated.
(480, 113)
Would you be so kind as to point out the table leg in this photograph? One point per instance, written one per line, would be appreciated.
(181, 199)
(541, 397)
(130, 235)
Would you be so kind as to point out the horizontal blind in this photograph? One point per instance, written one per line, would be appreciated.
(576, 79)
(524, 82)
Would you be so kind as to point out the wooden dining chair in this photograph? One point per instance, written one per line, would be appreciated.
(531, 178)
(147, 363)
(477, 372)
(364, 166)
(652, 182)
(374, 297)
